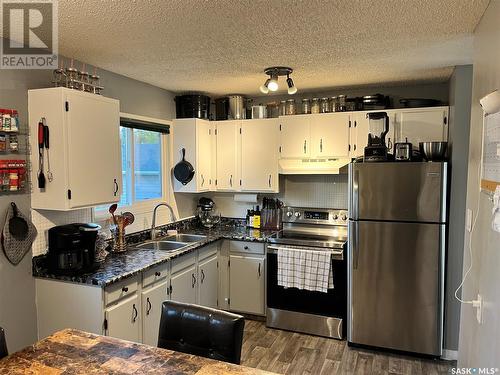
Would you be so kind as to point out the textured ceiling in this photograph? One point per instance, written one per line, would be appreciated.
(222, 46)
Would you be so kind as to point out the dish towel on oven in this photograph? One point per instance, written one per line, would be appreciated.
(305, 269)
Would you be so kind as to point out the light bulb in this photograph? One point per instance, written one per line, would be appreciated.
(291, 87)
(264, 89)
(273, 83)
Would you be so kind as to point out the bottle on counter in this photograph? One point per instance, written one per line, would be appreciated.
(250, 218)
(256, 218)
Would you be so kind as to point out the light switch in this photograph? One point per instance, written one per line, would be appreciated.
(468, 220)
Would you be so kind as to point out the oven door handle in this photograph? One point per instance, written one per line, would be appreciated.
(337, 254)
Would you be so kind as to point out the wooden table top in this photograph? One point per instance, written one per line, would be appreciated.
(75, 352)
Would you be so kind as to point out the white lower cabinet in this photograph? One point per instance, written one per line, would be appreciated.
(208, 282)
(246, 284)
(152, 299)
(123, 319)
(183, 285)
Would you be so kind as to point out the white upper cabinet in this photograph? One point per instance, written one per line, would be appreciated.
(422, 125)
(323, 135)
(227, 134)
(329, 135)
(195, 137)
(295, 134)
(259, 155)
(84, 149)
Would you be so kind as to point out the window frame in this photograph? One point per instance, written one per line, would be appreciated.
(147, 205)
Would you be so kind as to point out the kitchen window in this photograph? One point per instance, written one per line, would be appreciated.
(144, 164)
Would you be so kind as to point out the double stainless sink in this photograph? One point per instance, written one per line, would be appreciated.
(172, 243)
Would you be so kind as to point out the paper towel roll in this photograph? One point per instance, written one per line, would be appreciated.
(247, 198)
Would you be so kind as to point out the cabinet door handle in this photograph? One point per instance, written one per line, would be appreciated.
(202, 276)
(354, 147)
(231, 180)
(148, 307)
(389, 144)
(193, 281)
(125, 289)
(157, 274)
(135, 312)
(259, 270)
(321, 145)
(245, 247)
(116, 187)
(269, 181)
(305, 146)
(170, 288)
(202, 180)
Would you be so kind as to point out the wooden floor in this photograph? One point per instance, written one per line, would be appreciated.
(293, 353)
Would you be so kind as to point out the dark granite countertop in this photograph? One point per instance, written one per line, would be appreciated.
(76, 352)
(117, 267)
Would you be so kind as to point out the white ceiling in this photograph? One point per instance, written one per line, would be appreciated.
(222, 46)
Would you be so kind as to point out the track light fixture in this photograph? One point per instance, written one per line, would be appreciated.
(271, 83)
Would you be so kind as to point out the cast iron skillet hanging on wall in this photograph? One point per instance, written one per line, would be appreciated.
(183, 170)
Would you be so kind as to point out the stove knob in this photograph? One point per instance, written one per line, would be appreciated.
(289, 213)
(344, 217)
(335, 217)
(297, 215)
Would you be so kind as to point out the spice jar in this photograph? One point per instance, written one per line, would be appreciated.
(13, 143)
(306, 106)
(13, 180)
(3, 143)
(342, 103)
(315, 105)
(325, 105)
(290, 107)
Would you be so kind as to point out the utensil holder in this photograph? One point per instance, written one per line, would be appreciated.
(119, 241)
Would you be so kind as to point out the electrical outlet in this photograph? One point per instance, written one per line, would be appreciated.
(478, 304)
(468, 220)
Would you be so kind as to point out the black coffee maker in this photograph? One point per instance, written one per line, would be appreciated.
(72, 248)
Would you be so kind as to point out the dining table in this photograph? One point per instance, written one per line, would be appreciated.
(71, 351)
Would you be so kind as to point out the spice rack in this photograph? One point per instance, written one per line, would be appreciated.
(13, 154)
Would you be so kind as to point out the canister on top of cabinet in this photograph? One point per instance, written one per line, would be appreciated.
(282, 107)
(290, 107)
(315, 105)
(325, 105)
(306, 106)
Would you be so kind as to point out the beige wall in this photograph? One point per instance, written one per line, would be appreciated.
(479, 344)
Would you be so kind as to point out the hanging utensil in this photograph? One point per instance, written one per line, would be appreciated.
(183, 170)
(17, 236)
(41, 176)
(50, 176)
(18, 227)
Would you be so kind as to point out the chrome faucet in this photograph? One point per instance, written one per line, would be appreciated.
(153, 224)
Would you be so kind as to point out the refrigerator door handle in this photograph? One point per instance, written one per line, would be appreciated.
(354, 244)
(354, 203)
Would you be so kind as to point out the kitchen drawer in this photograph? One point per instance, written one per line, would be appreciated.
(184, 261)
(207, 251)
(246, 247)
(154, 274)
(121, 289)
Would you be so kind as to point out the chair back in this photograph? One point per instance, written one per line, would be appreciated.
(201, 331)
(3, 344)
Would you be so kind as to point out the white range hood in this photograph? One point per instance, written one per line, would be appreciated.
(313, 166)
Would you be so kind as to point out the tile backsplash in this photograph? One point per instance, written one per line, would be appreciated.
(46, 219)
(315, 191)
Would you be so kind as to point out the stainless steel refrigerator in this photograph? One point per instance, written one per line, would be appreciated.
(397, 229)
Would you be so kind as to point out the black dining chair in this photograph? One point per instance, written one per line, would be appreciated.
(201, 331)
(3, 344)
